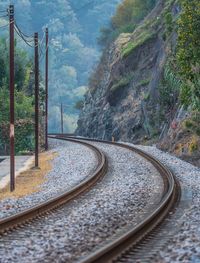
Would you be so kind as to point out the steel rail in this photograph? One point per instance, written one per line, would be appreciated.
(36, 211)
(117, 247)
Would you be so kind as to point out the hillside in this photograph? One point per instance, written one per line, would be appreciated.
(146, 87)
(73, 27)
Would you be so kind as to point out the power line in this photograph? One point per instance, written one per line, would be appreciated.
(42, 55)
(41, 44)
(23, 34)
(18, 33)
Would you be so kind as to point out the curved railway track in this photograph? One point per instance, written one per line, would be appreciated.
(27, 215)
(120, 249)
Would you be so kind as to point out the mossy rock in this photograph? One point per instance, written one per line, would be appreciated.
(139, 41)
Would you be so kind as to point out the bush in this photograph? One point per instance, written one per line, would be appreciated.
(24, 136)
(79, 105)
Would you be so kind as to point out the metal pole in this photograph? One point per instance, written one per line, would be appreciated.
(12, 97)
(61, 116)
(46, 88)
(36, 101)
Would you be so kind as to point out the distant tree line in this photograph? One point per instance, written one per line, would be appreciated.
(129, 13)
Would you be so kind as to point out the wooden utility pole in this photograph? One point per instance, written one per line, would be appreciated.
(61, 118)
(46, 88)
(12, 98)
(36, 101)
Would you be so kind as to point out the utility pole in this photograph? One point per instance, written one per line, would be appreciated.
(61, 117)
(12, 98)
(46, 89)
(36, 101)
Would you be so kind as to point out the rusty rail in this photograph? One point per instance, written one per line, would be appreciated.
(11, 222)
(117, 247)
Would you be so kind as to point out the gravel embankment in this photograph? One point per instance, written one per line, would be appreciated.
(72, 165)
(129, 189)
(185, 246)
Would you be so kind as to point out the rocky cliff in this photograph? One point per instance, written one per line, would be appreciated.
(123, 98)
(134, 93)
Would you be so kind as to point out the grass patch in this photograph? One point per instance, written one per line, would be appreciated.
(192, 124)
(193, 145)
(30, 181)
(143, 82)
(146, 96)
(140, 40)
(123, 82)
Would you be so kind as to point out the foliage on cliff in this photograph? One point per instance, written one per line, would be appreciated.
(188, 52)
(129, 13)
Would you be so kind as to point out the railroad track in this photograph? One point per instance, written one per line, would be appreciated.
(123, 247)
(12, 222)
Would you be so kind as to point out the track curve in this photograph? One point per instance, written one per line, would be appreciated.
(117, 248)
(27, 215)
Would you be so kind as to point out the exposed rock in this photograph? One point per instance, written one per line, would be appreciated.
(123, 95)
(125, 99)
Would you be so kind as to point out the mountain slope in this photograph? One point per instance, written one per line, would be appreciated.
(123, 101)
(135, 93)
(73, 30)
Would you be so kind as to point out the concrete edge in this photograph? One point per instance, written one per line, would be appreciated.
(6, 179)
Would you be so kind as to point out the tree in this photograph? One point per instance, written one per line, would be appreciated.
(131, 11)
(23, 100)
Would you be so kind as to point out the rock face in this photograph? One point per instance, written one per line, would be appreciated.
(123, 98)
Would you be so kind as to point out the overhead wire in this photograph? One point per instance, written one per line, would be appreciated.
(41, 44)
(23, 34)
(22, 37)
(43, 54)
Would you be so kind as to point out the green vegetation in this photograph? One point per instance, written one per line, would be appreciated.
(188, 52)
(141, 39)
(23, 101)
(146, 95)
(170, 86)
(79, 105)
(24, 134)
(143, 82)
(169, 23)
(192, 124)
(193, 145)
(123, 82)
(129, 14)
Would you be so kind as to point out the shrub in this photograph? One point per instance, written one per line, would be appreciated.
(24, 135)
(79, 105)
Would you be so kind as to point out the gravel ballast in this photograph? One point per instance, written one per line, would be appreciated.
(185, 245)
(74, 162)
(130, 187)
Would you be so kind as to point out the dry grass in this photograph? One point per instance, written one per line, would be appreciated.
(30, 181)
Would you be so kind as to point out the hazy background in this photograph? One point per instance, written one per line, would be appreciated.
(74, 27)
